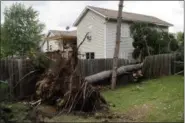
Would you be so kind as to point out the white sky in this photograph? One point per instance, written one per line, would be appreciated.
(59, 14)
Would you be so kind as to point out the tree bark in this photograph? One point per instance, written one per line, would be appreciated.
(117, 46)
(107, 74)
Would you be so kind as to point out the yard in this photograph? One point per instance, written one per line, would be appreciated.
(152, 100)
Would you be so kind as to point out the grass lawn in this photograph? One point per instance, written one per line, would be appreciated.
(153, 100)
(159, 100)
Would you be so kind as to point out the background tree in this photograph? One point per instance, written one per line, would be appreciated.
(180, 51)
(180, 37)
(150, 41)
(3, 45)
(21, 30)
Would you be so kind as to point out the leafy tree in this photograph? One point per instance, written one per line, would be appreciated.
(21, 30)
(149, 41)
(180, 51)
(3, 46)
(180, 37)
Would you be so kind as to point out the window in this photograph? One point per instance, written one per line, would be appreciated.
(89, 37)
(50, 47)
(89, 55)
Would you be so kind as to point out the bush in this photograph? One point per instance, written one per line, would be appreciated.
(149, 41)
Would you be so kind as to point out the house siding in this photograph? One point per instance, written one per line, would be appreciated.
(126, 47)
(53, 43)
(93, 23)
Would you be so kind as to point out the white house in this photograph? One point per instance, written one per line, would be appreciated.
(101, 23)
(54, 45)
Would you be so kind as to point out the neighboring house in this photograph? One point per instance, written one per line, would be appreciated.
(102, 23)
(41, 43)
(55, 45)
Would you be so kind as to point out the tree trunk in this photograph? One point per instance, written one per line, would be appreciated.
(107, 74)
(117, 46)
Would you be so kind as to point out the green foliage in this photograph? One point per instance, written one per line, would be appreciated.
(180, 37)
(21, 30)
(40, 60)
(180, 51)
(149, 41)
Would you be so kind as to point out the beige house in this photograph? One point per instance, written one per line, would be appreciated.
(101, 23)
(55, 44)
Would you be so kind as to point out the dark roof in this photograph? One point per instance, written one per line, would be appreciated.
(67, 33)
(127, 16)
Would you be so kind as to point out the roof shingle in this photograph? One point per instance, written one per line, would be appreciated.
(127, 16)
(67, 33)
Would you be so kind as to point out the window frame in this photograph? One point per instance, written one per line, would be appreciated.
(87, 55)
(90, 55)
(50, 47)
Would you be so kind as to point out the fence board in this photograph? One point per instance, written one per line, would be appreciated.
(93, 66)
(158, 65)
(12, 71)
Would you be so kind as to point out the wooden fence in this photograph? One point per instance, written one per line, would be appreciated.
(159, 65)
(92, 66)
(15, 70)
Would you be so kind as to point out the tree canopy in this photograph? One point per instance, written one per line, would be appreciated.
(150, 40)
(180, 52)
(180, 37)
(21, 30)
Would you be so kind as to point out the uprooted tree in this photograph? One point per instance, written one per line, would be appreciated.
(62, 85)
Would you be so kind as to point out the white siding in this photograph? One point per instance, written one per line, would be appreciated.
(54, 46)
(44, 46)
(126, 47)
(93, 23)
(53, 43)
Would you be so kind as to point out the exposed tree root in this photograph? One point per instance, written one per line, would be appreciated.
(63, 86)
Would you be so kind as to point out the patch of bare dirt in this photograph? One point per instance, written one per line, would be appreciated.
(138, 113)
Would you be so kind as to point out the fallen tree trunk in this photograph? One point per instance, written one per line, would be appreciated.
(107, 74)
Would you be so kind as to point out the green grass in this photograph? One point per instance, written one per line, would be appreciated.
(163, 96)
(159, 100)
(19, 111)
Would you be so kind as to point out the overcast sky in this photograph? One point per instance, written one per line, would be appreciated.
(56, 15)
